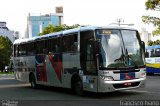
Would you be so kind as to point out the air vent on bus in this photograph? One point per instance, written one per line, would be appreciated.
(126, 71)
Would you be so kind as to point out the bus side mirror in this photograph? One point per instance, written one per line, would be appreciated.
(143, 45)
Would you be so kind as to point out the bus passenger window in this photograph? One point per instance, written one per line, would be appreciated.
(40, 45)
(30, 49)
(54, 45)
(146, 54)
(157, 52)
(70, 42)
(152, 53)
(22, 49)
(15, 50)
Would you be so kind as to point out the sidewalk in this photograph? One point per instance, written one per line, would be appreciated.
(7, 76)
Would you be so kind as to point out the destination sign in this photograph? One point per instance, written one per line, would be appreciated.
(104, 32)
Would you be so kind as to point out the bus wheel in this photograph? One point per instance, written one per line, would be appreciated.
(78, 87)
(33, 82)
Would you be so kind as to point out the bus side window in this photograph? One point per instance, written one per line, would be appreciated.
(152, 53)
(70, 42)
(54, 45)
(157, 52)
(40, 45)
(146, 54)
(30, 49)
(15, 50)
(22, 50)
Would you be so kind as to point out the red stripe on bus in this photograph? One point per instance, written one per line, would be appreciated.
(57, 68)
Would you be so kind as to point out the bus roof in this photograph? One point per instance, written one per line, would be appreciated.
(81, 28)
(20, 41)
(94, 28)
(153, 47)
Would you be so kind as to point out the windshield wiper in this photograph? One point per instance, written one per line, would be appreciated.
(130, 59)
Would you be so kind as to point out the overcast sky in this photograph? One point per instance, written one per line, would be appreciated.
(84, 12)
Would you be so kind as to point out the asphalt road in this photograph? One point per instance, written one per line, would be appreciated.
(12, 90)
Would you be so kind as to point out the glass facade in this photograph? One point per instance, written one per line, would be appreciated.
(55, 20)
(35, 28)
(38, 23)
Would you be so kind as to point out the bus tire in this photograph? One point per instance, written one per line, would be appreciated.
(78, 87)
(33, 82)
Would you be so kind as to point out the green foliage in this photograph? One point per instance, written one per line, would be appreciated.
(151, 43)
(152, 5)
(50, 28)
(155, 21)
(5, 51)
(6, 72)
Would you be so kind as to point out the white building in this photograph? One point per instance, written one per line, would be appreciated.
(4, 31)
(145, 36)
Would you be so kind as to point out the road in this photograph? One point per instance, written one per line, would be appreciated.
(11, 89)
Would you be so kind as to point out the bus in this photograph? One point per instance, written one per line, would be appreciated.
(152, 57)
(90, 58)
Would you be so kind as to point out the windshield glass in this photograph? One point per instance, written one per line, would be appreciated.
(119, 49)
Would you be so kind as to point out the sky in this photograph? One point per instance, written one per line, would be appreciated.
(83, 12)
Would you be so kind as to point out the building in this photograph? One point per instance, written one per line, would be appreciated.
(4, 31)
(36, 23)
(145, 36)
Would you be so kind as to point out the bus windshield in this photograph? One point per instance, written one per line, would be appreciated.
(119, 48)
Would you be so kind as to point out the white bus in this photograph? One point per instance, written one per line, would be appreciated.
(96, 59)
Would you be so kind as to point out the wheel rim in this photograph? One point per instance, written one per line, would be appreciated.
(33, 84)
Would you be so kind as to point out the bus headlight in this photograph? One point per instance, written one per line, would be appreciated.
(143, 75)
(107, 78)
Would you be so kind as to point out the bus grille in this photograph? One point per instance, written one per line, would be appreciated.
(126, 85)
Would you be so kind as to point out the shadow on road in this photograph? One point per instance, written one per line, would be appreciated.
(88, 95)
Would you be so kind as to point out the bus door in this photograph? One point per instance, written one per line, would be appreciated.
(88, 60)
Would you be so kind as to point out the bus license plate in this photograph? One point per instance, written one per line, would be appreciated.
(127, 84)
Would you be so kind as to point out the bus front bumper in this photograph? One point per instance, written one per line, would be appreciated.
(110, 86)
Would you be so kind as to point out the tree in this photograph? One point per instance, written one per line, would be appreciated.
(5, 51)
(155, 6)
(150, 43)
(50, 28)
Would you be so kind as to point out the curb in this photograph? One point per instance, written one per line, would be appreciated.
(7, 76)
